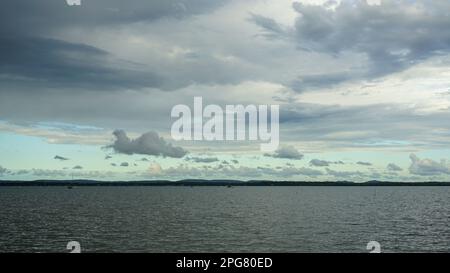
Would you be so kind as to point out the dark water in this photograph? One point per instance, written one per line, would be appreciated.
(219, 219)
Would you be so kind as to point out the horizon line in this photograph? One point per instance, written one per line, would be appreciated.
(212, 182)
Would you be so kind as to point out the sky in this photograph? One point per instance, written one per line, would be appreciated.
(86, 91)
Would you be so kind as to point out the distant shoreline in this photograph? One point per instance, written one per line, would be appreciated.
(208, 183)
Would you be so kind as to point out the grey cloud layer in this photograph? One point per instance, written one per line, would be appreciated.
(379, 125)
(45, 75)
(29, 59)
(386, 38)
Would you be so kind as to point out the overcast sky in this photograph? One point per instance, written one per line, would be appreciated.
(363, 87)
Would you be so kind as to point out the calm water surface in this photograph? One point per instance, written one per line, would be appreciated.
(220, 219)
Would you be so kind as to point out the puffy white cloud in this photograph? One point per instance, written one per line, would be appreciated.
(393, 167)
(428, 167)
(147, 144)
(319, 163)
(287, 152)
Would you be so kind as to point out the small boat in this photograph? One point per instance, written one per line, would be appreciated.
(229, 186)
(70, 187)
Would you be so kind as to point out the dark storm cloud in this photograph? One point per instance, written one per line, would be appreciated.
(33, 62)
(147, 144)
(392, 36)
(428, 167)
(29, 59)
(31, 17)
(57, 157)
